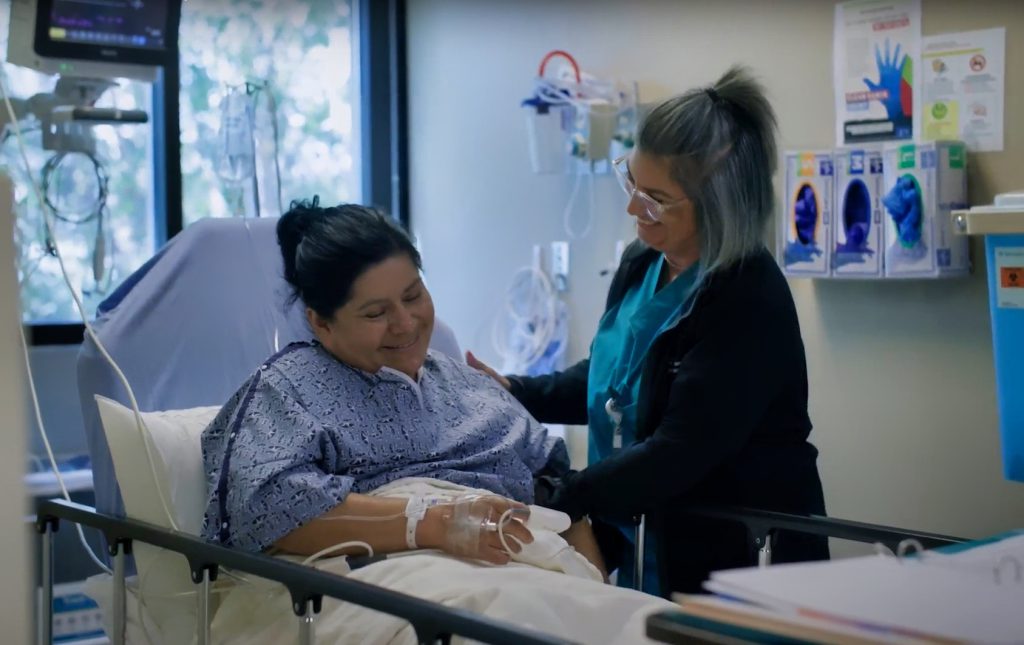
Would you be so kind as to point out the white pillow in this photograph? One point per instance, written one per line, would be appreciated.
(173, 438)
(164, 582)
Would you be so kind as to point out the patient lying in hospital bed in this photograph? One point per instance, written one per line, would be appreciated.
(187, 329)
(291, 456)
(296, 463)
(364, 438)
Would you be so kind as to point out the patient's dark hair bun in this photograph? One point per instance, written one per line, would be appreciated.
(292, 227)
(325, 249)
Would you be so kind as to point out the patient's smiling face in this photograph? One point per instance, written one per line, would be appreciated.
(386, 322)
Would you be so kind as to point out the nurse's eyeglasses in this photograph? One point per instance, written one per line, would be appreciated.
(653, 209)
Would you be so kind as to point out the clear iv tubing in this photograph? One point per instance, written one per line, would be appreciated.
(47, 216)
(499, 527)
(47, 221)
(338, 547)
(505, 518)
(361, 518)
(558, 93)
(569, 207)
(536, 340)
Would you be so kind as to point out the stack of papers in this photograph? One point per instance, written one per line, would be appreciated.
(970, 593)
(746, 622)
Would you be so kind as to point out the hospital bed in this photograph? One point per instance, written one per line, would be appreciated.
(187, 329)
(430, 621)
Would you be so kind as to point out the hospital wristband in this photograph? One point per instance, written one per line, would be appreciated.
(415, 510)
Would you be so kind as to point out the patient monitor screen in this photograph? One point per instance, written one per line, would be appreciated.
(111, 23)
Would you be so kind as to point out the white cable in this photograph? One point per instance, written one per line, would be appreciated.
(360, 518)
(505, 518)
(37, 462)
(140, 424)
(569, 207)
(537, 327)
(558, 92)
(49, 450)
(545, 325)
(47, 215)
(143, 598)
(531, 322)
(338, 547)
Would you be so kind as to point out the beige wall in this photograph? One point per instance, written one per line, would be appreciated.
(902, 387)
(15, 597)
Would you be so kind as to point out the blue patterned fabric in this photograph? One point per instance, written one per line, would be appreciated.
(306, 430)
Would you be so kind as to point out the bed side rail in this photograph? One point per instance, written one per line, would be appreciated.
(668, 627)
(763, 525)
(433, 623)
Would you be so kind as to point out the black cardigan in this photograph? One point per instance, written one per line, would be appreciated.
(721, 419)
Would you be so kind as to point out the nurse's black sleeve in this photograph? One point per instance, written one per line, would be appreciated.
(555, 398)
(724, 386)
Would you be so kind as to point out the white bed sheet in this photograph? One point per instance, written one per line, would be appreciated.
(259, 612)
(554, 603)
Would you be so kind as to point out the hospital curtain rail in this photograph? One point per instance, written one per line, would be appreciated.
(432, 622)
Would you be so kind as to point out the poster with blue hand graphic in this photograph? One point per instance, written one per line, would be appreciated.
(877, 47)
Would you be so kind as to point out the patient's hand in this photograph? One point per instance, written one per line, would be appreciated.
(580, 536)
(468, 528)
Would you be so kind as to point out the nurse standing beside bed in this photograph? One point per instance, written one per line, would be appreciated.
(695, 390)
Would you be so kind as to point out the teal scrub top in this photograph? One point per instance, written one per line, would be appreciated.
(624, 336)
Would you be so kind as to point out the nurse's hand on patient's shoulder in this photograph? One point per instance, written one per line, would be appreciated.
(478, 364)
(468, 528)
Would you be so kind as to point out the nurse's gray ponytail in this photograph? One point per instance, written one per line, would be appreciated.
(720, 141)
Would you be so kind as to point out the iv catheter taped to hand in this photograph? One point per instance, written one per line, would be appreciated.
(475, 524)
(903, 204)
(470, 524)
(507, 530)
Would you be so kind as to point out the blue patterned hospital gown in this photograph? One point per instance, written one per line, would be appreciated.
(306, 429)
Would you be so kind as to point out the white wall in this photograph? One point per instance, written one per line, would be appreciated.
(902, 384)
(15, 595)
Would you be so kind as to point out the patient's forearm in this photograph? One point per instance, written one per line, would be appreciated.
(382, 526)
